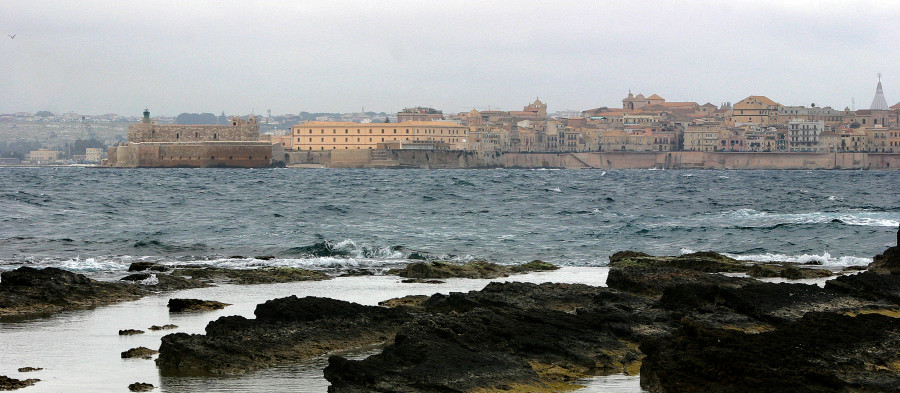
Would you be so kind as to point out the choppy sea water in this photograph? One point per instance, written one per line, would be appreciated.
(98, 221)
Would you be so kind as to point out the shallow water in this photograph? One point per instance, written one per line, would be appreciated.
(80, 350)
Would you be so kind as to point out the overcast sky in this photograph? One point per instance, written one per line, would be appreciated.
(240, 57)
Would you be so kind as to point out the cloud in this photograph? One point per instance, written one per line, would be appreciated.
(112, 56)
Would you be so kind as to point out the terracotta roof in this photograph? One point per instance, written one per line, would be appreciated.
(349, 124)
(764, 100)
(655, 97)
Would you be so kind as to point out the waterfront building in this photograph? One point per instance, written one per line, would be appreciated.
(755, 109)
(803, 135)
(319, 135)
(701, 137)
(93, 154)
(43, 156)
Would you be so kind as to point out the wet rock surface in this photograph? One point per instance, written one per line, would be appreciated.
(264, 275)
(474, 269)
(285, 330)
(29, 369)
(139, 352)
(821, 352)
(699, 331)
(29, 291)
(182, 305)
(163, 327)
(140, 387)
(7, 383)
(130, 332)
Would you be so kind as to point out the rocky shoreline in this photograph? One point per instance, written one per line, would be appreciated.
(677, 322)
(674, 321)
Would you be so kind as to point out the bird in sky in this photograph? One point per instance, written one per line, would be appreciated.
(12, 37)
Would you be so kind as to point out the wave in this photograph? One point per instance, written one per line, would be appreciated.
(348, 249)
(750, 218)
(826, 259)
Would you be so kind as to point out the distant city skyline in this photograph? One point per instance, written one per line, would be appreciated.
(203, 56)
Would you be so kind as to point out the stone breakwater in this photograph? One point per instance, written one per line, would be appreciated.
(671, 320)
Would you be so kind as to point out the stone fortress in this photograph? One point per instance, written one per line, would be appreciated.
(235, 145)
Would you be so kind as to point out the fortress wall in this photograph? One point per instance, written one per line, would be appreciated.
(199, 155)
(142, 132)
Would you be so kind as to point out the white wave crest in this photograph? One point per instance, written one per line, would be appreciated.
(755, 218)
(826, 259)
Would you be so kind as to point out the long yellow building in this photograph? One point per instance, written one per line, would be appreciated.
(324, 135)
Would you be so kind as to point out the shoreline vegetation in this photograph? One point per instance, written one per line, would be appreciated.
(694, 322)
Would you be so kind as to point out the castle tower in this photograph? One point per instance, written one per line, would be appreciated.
(879, 103)
(146, 119)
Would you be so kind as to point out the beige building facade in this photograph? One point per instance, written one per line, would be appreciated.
(319, 135)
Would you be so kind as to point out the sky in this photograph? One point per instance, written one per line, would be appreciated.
(242, 57)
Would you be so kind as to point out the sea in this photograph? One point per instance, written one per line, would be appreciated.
(97, 221)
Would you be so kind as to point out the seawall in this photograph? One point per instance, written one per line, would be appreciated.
(598, 160)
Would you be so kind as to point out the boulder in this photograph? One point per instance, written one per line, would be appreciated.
(29, 369)
(180, 305)
(140, 387)
(163, 327)
(29, 291)
(285, 330)
(7, 383)
(704, 261)
(263, 275)
(130, 332)
(474, 269)
(139, 352)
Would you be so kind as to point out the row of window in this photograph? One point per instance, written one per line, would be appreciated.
(407, 131)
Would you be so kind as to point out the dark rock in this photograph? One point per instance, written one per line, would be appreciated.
(761, 301)
(414, 301)
(140, 387)
(887, 262)
(7, 383)
(179, 305)
(30, 291)
(136, 277)
(163, 327)
(786, 270)
(29, 369)
(357, 273)
(265, 257)
(821, 352)
(263, 275)
(285, 330)
(130, 332)
(139, 352)
(486, 348)
(140, 266)
(654, 280)
(421, 281)
(869, 285)
(704, 261)
(474, 269)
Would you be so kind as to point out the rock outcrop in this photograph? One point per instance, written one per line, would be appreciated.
(140, 387)
(474, 269)
(182, 305)
(139, 352)
(29, 291)
(263, 275)
(7, 383)
(285, 330)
